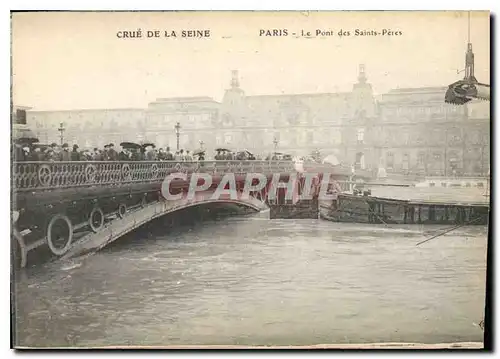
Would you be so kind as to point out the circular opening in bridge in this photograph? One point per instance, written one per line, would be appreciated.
(122, 209)
(96, 219)
(59, 234)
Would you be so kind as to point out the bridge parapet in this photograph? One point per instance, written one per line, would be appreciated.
(30, 176)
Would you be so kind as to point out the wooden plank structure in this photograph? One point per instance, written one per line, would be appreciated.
(409, 206)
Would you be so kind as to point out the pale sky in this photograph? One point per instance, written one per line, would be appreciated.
(75, 60)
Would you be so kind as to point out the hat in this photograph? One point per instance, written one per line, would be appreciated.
(75, 146)
(111, 145)
(65, 145)
(53, 144)
(106, 146)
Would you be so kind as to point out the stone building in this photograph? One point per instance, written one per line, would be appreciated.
(416, 132)
(294, 123)
(88, 128)
(197, 118)
(408, 130)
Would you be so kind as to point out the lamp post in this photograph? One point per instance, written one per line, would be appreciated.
(275, 142)
(201, 144)
(61, 130)
(177, 133)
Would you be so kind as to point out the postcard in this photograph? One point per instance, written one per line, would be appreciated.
(250, 179)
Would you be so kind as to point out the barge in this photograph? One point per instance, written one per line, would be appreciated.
(409, 206)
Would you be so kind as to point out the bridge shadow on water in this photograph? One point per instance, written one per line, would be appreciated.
(179, 222)
(175, 224)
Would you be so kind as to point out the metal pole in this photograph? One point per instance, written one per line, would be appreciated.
(177, 132)
(61, 130)
(445, 152)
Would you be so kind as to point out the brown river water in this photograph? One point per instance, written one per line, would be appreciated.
(249, 280)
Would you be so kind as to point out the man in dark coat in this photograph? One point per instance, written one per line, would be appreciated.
(75, 155)
(124, 155)
(65, 155)
(97, 156)
(168, 155)
(112, 154)
(19, 154)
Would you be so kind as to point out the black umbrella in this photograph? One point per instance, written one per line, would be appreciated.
(222, 150)
(247, 152)
(146, 144)
(130, 145)
(23, 135)
(41, 146)
(198, 152)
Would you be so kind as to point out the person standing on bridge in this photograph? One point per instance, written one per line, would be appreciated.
(188, 157)
(124, 155)
(168, 155)
(161, 154)
(75, 155)
(150, 154)
(97, 155)
(37, 155)
(56, 152)
(111, 153)
(65, 155)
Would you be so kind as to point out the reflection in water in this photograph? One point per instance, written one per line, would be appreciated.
(253, 281)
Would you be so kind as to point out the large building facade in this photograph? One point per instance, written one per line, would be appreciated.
(408, 131)
(416, 132)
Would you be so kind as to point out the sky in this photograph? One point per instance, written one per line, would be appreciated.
(74, 60)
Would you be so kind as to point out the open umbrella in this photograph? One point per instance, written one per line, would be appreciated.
(331, 159)
(199, 152)
(245, 154)
(41, 146)
(146, 144)
(23, 135)
(222, 150)
(130, 145)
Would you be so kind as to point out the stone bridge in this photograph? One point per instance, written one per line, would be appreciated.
(75, 207)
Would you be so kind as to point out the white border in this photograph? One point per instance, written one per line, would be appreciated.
(492, 5)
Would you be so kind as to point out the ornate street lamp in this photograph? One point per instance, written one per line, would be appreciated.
(201, 144)
(177, 133)
(61, 130)
(275, 142)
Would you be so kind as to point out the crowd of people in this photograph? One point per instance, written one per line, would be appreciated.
(55, 152)
(149, 152)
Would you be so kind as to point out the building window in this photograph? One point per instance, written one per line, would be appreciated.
(360, 160)
(406, 161)
(390, 160)
(421, 159)
(405, 136)
(361, 135)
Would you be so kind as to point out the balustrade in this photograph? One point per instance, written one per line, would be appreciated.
(29, 176)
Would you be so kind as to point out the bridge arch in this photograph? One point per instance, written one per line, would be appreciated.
(89, 195)
(134, 219)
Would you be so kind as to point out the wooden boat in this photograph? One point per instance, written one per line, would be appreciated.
(364, 208)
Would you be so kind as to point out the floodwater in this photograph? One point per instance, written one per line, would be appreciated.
(249, 280)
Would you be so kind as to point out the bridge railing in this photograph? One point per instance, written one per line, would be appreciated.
(31, 176)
